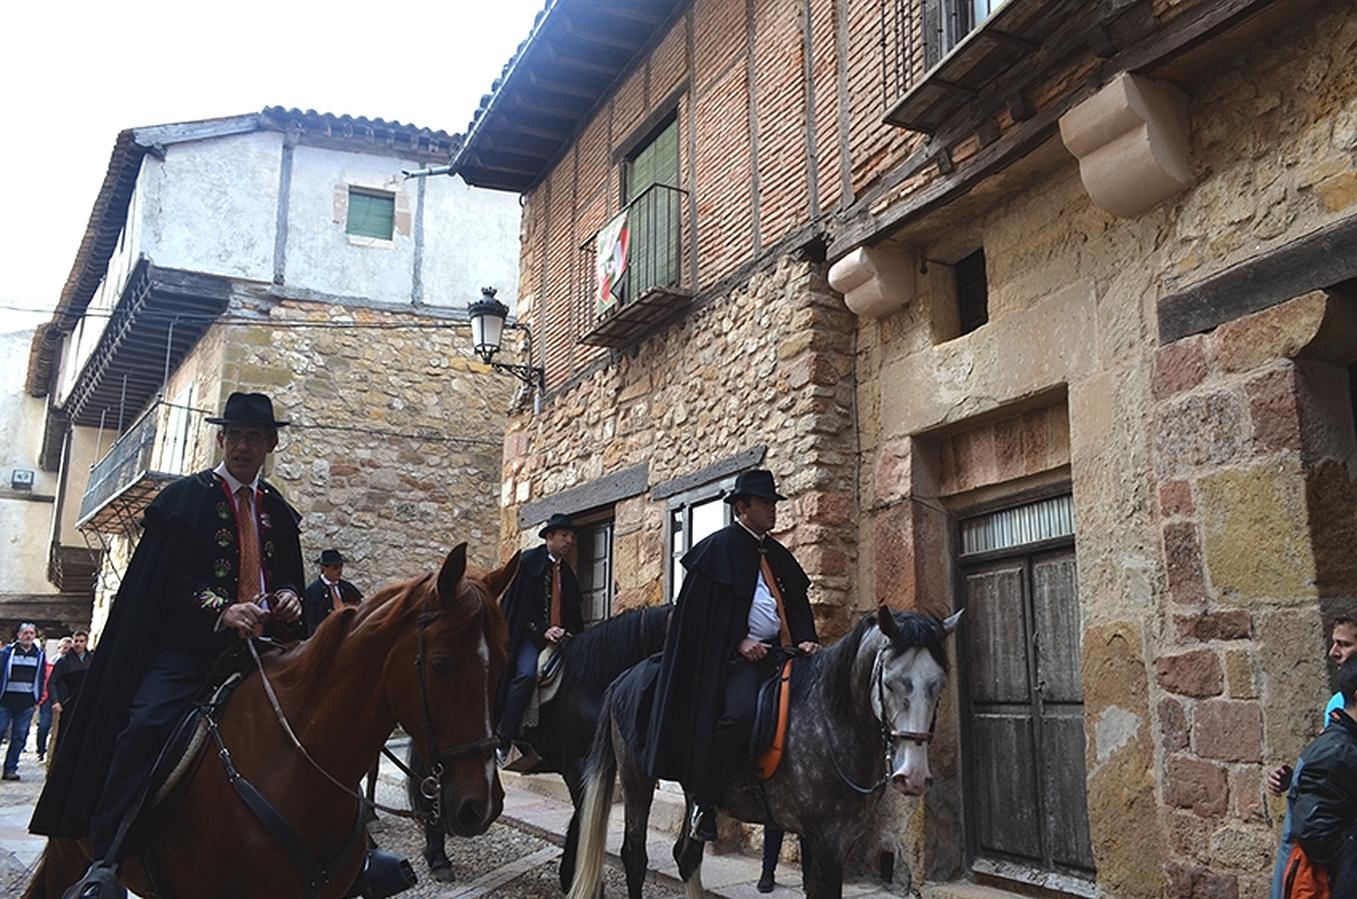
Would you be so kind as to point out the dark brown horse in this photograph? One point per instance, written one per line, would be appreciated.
(343, 691)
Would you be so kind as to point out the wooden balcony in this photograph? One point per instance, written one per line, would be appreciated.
(157, 449)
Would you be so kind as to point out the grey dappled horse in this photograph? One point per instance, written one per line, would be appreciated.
(861, 720)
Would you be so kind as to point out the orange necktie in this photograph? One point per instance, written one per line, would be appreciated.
(248, 586)
(785, 634)
(556, 594)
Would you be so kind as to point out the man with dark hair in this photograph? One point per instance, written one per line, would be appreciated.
(543, 605)
(219, 557)
(1322, 805)
(68, 676)
(329, 592)
(22, 664)
(743, 593)
(1342, 648)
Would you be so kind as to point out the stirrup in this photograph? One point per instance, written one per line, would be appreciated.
(100, 882)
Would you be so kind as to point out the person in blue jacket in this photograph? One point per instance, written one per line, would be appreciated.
(22, 666)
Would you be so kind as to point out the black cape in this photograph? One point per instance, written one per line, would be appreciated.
(182, 574)
(711, 617)
(316, 602)
(527, 607)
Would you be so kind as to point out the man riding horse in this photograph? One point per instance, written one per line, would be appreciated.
(220, 554)
(743, 593)
(542, 607)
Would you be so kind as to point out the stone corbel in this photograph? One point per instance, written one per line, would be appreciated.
(1131, 140)
(875, 281)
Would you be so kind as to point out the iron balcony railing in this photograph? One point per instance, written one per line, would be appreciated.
(631, 274)
(137, 455)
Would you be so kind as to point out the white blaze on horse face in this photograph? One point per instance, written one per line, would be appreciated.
(912, 681)
(483, 653)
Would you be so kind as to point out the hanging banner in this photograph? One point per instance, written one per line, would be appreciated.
(610, 262)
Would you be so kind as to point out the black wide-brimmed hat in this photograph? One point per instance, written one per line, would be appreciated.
(331, 557)
(758, 482)
(248, 409)
(557, 522)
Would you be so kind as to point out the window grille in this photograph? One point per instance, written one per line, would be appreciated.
(1047, 519)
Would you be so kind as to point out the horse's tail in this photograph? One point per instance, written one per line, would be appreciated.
(600, 771)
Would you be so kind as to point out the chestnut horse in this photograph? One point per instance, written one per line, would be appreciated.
(426, 654)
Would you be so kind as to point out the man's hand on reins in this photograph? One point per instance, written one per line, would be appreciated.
(287, 606)
(245, 618)
(752, 650)
(553, 634)
(809, 647)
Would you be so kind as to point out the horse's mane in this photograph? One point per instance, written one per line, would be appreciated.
(303, 666)
(597, 656)
(912, 629)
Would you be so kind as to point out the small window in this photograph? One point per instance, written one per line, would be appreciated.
(372, 213)
(692, 518)
(594, 568)
(971, 292)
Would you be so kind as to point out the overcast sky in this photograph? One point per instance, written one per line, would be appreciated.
(74, 74)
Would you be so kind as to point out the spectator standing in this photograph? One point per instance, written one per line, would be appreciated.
(45, 700)
(22, 664)
(1322, 806)
(1342, 647)
(67, 677)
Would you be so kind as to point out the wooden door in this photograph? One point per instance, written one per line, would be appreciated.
(1025, 741)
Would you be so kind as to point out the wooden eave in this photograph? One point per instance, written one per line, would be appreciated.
(159, 318)
(572, 62)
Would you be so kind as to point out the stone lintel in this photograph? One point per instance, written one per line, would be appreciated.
(602, 491)
(722, 468)
(875, 281)
(1131, 140)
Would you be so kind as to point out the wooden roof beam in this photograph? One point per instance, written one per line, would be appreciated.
(573, 29)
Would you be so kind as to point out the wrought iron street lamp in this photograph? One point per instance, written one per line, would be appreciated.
(488, 321)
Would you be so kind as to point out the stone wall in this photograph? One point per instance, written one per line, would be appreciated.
(1254, 436)
(394, 451)
(769, 364)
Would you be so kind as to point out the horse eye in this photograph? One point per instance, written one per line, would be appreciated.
(440, 665)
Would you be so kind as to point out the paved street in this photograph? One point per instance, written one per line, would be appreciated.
(517, 859)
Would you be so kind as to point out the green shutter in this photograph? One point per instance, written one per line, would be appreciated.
(654, 219)
(371, 214)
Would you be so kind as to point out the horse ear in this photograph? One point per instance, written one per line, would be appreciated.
(950, 622)
(454, 566)
(885, 619)
(498, 581)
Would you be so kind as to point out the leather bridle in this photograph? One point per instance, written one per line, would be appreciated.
(431, 786)
(888, 736)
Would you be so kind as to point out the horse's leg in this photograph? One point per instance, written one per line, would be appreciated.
(574, 782)
(824, 875)
(435, 855)
(638, 791)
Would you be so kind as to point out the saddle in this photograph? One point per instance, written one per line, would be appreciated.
(772, 711)
(181, 752)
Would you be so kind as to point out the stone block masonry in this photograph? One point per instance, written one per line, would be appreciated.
(394, 455)
(768, 364)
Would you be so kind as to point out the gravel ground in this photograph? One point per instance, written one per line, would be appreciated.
(473, 859)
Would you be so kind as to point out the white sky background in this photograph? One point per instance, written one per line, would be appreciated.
(74, 74)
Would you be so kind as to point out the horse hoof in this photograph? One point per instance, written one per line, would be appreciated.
(442, 873)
